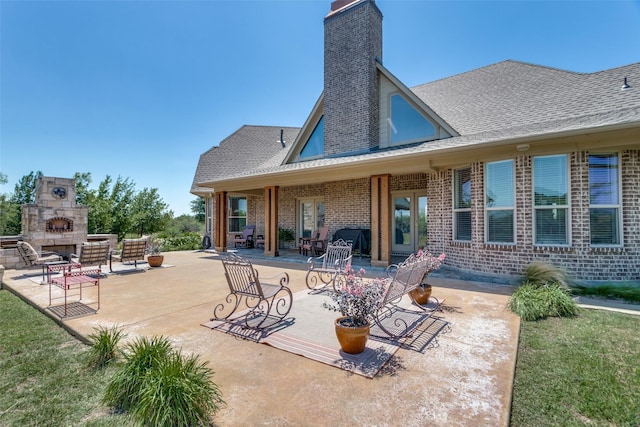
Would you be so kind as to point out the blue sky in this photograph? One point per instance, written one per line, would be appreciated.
(140, 89)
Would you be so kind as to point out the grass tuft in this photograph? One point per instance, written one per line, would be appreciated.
(161, 387)
(540, 274)
(141, 356)
(532, 302)
(104, 346)
(178, 392)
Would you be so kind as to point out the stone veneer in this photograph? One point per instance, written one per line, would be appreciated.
(48, 206)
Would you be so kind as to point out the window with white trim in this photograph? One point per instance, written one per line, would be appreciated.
(462, 204)
(237, 213)
(604, 199)
(551, 200)
(499, 202)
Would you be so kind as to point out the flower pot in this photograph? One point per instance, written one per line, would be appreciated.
(352, 339)
(421, 294)
(155, 260)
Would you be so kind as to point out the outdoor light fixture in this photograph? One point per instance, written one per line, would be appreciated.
(522, 147)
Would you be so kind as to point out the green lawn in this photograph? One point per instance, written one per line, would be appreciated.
(580, 371)
(44, 380)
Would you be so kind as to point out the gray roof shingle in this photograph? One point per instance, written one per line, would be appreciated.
(512, 94)
(503, 101)
(247, 149)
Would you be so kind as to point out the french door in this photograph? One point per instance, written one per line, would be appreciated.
(311, 216)
(409, 222)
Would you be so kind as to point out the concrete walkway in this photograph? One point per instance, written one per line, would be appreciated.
(464, 377)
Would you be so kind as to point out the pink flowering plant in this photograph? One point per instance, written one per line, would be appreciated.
(433, 263)
(356, 298)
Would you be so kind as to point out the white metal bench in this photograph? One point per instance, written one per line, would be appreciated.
(323, 270)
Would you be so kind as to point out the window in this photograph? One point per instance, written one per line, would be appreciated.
(551, 200)
(499, 202)
(237, 213)
(315, 144)
(408, 124)
(604, 199)
(462, 204)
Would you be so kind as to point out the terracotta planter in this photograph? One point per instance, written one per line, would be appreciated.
(421, 294)
(155, 260)
(352, 339)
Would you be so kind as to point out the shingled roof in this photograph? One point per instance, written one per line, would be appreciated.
(505, 101)
(513, 94)
(247, 149)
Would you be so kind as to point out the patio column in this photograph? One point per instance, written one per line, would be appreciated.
(221, 221)
(271, 221)
(380, 217)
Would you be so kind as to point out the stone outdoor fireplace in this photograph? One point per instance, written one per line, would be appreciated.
(54, 222)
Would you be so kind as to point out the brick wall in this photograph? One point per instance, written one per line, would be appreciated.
(582, 261)
(353, 39)
(348, 205)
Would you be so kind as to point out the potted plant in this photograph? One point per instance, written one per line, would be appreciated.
(357, 299)
(285, 235)
(422, 293)
(155, 257)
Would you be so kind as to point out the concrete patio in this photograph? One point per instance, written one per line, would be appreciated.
(449, 383)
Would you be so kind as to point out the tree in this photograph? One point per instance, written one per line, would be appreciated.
(82, 181)
(149, 212)
(10, 215)
(109, 206)
(122, 198)
(24, 192)
(198, 209)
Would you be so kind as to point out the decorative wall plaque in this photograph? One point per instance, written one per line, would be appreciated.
(59, 192)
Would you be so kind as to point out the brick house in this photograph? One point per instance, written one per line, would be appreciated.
(497, 167)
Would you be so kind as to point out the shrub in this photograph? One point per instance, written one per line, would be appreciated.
(540, 274)
(141, 356)
(178, 393)
(532, 301)
(104, 346)
(184, 242)
(161, 387)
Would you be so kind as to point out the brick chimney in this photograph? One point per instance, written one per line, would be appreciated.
(352, 42)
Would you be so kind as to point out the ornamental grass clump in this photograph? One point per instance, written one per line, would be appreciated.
(357, 298)
(161, 387)
(178, 392)
(104, 347)
(543, 293)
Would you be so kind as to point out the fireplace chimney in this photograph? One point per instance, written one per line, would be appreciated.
(352, 45)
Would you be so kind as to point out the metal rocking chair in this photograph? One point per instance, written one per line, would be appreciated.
(266, 303)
